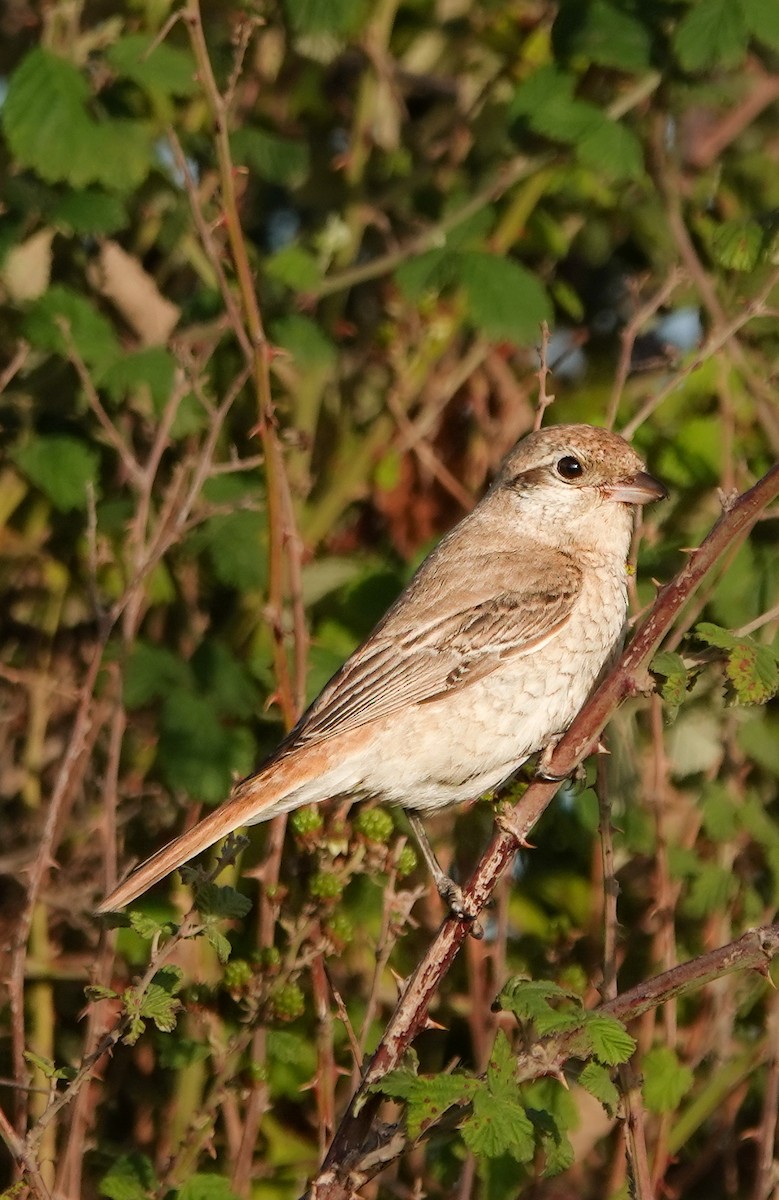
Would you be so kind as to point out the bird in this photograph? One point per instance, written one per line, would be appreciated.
(482, 662)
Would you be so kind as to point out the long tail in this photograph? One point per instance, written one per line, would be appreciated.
(255, 799)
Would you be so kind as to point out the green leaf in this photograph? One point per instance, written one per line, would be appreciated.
(498, 1126)
(610, 1041)
(738, 245)
(754, 672)
(90, 211)
(674, 679)
(167, 69)
(276, 159)
(222, 902)
(60, 309)
(196, 754)
(62, 467)
(426, 1097)
(305, 341)
(713, 33)
(720, 812)
(235, 543)
(710, 890)
(151, 672)
(153, 368)
(206, 1187)
(145, 926)
(220, 944)
(336, 17)
(531, 999)
(294, 267)
(613, 149)
(598, 1082)
(499, 1123)
(430, 272)
(762, 21)
(51, 129)
(715, 635)
(602, 33)
(224, 679)
(159, 1006)
(666, 1081)
(505, 301)
(131, 1177)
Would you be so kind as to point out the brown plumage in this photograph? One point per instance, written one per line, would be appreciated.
(482, 661)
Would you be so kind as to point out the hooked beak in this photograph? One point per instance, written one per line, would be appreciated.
(641, 488)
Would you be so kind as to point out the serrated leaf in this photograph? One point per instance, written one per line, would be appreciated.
(499, 1123)
(666, 1081)
(598, 1082)
(754, 672)
(206, 1187)
(50, 128)
(505, 301)
(165, 68)
(225, 902)
(276, 159)
(131, 1177)
(712, 33)
(159, 1006)
(90, 332)
(145, 927)
(62, 467)
(610, 1041)
(715, 635)
(426, 1097)
(530, 999)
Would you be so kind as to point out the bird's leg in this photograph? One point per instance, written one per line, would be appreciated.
(450, 892)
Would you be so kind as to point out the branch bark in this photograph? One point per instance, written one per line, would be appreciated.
(357, 1128)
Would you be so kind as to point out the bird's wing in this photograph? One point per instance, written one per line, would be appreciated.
(458, 637)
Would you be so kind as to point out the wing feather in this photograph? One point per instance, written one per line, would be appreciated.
(427, 646)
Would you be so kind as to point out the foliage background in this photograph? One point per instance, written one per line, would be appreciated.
(207, 500)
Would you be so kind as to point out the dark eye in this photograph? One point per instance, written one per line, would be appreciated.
(569, 467)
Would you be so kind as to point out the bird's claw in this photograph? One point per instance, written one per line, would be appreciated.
(453, 897)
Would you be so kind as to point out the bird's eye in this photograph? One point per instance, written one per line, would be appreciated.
(569, 467)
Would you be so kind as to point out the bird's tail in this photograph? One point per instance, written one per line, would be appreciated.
(255, 799)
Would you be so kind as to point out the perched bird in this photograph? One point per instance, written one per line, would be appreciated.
(484, 659)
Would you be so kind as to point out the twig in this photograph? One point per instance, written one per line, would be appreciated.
(544, 400)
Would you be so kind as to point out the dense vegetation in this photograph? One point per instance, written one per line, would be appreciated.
(275, 284)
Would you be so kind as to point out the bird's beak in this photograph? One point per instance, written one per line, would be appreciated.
(641, 488)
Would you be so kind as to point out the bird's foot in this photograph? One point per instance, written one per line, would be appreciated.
(454, 898)
(543, 772)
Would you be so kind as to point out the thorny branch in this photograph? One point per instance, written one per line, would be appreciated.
(336, 1180)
